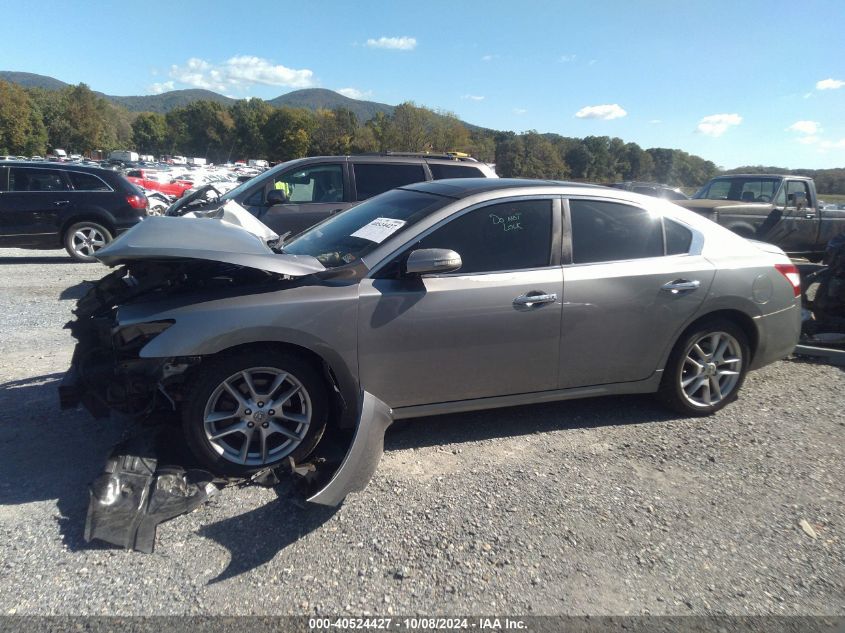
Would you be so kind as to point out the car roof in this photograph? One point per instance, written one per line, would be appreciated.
(463, 187)
(51, 165)
(762, 176)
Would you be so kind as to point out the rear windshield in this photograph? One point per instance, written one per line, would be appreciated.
(353, 234)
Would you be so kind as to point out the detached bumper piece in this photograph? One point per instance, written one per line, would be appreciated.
(134, 495)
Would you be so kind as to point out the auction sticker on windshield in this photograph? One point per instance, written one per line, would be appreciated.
(379, 229)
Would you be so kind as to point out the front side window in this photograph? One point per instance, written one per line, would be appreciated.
(610, 231)
(797, 186)
(506, 236)
(26, 179)
(321, 183)
(374, 178)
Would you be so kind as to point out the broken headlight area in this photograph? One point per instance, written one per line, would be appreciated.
(108, 374)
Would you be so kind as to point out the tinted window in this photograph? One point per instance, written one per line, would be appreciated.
(321, 183)
(454, 171)
(87, 182)
(648, 191)
(375, 178)
(508, 236)
(26, 179)
(678, 238)
(609, 231)
(4, 182)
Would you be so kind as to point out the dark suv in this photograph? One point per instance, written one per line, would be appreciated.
(299, 193)
(50, 205)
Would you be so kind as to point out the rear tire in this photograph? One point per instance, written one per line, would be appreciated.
(249, 410)
(706, 368)
(83, 239)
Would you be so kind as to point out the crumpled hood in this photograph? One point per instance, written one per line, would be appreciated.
(212, 239)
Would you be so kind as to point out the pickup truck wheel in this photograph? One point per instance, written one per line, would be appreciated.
(706, 368)
(251, 410)
(83, 239)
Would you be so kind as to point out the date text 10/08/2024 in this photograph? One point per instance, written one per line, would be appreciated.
(412, 624)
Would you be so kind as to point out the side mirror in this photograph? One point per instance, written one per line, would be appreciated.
(277, 196)
(432, 260)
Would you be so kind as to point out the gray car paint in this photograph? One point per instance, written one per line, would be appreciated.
(162, 237)
(469, 348)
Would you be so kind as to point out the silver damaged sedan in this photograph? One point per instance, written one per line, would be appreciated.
(433, 298)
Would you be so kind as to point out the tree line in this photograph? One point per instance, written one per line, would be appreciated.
(80, 120)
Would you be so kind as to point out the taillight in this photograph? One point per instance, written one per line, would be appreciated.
(136, 201)
(792, 276)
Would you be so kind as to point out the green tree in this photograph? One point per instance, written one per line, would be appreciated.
(250, 117)
(150, 133)
(288, 133)
(21, 127)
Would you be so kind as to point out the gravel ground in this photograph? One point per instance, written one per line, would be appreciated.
(603, 506)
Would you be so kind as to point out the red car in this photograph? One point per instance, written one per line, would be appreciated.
(158, 181)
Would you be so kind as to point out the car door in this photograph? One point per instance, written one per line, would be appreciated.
(474, 333)
(315, 192)
(627, 291)
(796, 229)
(31, 206)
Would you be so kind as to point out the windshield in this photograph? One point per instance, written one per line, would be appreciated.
(350, 235)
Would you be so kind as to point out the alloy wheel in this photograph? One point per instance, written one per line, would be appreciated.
(711, 369)
(257, 416)
(87, 240)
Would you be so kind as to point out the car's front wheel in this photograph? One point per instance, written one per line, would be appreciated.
(83, 239)
(250, 410)
(706, 368)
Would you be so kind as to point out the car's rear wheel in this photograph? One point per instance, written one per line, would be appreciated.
(251, 410)
(706, 368)
(83, 239)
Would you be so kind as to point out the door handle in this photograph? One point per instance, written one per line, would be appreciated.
(532, 299)
(681, 285)
(62, 203)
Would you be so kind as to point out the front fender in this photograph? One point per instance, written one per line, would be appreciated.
(363, 455)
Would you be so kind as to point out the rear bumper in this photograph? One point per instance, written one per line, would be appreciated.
(778, 334)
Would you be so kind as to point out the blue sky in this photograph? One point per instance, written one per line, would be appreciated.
(741, 82)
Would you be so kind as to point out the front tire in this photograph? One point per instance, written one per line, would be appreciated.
(83, 239)
(706, 368)
(252, 409)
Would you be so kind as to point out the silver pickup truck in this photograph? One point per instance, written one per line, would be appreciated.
(781, 210)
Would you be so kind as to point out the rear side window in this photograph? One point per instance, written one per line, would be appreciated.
(507, 236)
(374, 178)
(610, 231)
(27, 179)
(87, 182)
(4, 179)
(438, 172)
(678, 238)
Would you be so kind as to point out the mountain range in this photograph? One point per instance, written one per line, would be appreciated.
(310, 99)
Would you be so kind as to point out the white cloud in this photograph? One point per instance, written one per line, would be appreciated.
(604, 112)
(564, 59)
(656, 121)
(829, 84)
(808, 140)
(489, 58)
(717, 124)
(473, 97)
(833, 144)
(519, 110)
(354, 93)
(241, 72)
(805, 127)
(164, 86)
(403, 43)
